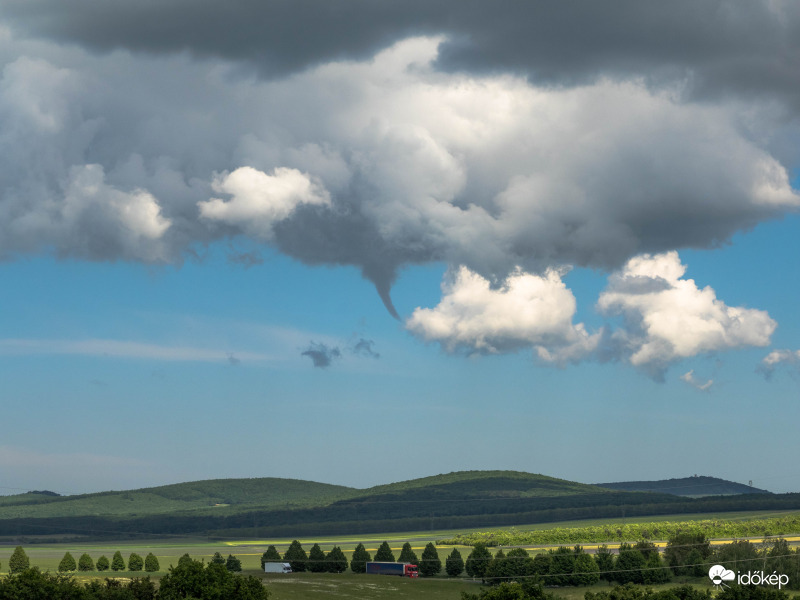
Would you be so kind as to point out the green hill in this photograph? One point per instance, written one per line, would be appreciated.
(693, 487)
(236, 508)
(226, 495)
(483, 483)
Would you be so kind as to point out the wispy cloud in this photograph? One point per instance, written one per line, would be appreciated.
(695, 383)
(14, 457)
(778, 358)
(124, 349)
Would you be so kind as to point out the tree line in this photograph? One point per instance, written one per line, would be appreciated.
(316, 561)
(189, 579)
(19, 562)
(686, 554)
(390, 514)
(719, 528)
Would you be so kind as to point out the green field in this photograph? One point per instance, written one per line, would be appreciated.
(301, 586)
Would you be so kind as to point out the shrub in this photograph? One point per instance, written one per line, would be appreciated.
(85, 563)
(586, 570)
(359, 560)
(185, 559)
(271, 555)
(135, 562)
(655, 571)
(407, 555)
(336, 562)
(151, 563)
(430, 563)
(478, 561)
(384, 553)
(19, 561)
(316, 559)
(296, 557)
(67, 564)
(454, 564)
(605, 563)
(117, 562)
(102, 564)
(233, 564)
(193, 579)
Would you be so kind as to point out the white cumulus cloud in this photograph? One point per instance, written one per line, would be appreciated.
(526, 311)
(260, 200)
(668, 318)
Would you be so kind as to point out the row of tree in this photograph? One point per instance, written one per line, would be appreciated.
(85, 563)
(190, 579)
(687, 555)
(19, 562)
(692, 554)
(316, 561)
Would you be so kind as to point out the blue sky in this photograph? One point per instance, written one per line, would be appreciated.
(592, 263)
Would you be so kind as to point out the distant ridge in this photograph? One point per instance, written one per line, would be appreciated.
(268, 507)
(693, 487)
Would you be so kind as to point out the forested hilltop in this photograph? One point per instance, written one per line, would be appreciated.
(286, 507)
(694, 487)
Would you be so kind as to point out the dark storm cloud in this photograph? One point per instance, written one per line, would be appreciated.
(508, 138)
(749, 47)
(321, 355)
(279, 36)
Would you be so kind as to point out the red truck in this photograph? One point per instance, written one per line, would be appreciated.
(393, 568)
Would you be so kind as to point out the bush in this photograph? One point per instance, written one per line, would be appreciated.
(655, 571)
(135, 563)
(316, 559)
(478, 561)
(605, 563)
(384, 553)
(19, 561)
(454, 564)
(271, 555)
(586, 570)
(407, 555)
(527, 590)
(196, 580)
(296, 557)
(336, 562)
(85, 563)
(233, 564)
(151, 563)
(680, 546)
(117, 562)
(430, 564)
(102, 564)
(359, 560)
(630, 591)
(67, 564)
(562, 566)
(629, 565)
(185, 559)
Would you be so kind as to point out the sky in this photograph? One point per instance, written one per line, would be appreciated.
(361, 242)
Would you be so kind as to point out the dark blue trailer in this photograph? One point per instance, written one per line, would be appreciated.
(393, 568)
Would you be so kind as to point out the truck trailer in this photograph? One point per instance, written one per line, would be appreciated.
(393, 568)
(276, 567)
